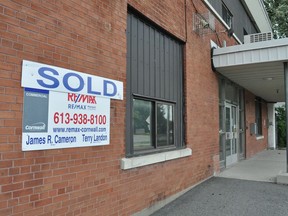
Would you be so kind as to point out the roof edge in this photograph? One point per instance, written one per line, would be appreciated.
(252, 46)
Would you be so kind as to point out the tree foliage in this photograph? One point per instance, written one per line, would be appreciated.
(281, 126)
(278, 14)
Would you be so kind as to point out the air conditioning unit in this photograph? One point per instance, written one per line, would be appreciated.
(254, 38)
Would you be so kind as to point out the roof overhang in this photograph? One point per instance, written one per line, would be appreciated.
(258, 67)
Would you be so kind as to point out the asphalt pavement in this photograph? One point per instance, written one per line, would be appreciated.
(230, 197)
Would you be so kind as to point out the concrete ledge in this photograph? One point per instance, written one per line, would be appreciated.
(282, 178)
(130, 163)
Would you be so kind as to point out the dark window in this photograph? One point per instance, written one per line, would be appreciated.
(153, 124)
(227, 15)
(154, 89)
(258, 116)
(245, 32)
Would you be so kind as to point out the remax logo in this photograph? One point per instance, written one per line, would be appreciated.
(80, 98)
(39, 126)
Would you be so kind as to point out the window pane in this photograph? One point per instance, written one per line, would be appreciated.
(231, 93)
(228, 120)
(142, 136)
(227, 15)
(165, 125)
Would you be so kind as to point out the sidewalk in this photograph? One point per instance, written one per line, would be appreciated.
(245, 189)
(264, 166)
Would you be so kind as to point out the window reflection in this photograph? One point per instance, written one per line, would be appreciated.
(165, 125)
(153, 124)
(142, 136)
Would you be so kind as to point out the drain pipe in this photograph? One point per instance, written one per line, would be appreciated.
(286, 108)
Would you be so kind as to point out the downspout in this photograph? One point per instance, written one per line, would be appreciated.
(185, 21)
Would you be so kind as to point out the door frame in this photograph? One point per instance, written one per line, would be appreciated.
(234, 133)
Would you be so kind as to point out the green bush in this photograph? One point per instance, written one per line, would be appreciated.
(281, 126)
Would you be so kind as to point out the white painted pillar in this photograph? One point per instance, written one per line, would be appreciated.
(272, 126)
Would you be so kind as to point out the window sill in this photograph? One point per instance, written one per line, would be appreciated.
(130, 163)
(259, 137)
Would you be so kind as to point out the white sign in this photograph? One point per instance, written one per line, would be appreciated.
(41, 76)
(53, 120)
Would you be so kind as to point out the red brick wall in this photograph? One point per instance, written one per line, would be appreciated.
(168, 14)
(89, 36)
(86, 36)
(253, 145)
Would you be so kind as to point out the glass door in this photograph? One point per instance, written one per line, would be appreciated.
(231, 134)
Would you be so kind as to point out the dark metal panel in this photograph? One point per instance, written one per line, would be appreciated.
(178, 116)
(140, 58)
(217, 5)
(129, 148)
(147, 74)
(134, 53)
(166, 73)
(176, 72)
(181, 98)
(179, 85)
(162, 68)
(157, 63)
(152, 62)
(173, 71)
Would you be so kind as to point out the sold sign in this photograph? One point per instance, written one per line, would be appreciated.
(47, 77)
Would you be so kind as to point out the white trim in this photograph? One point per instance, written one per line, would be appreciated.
(220, 19)
(259, 137)
(260, 52)
(253, 46)
(130, 163)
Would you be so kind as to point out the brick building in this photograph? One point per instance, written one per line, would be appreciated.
(177, 124)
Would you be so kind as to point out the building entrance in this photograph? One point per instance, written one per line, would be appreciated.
(231, 123)
(231, 134)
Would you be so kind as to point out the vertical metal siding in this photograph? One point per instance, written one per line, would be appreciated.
(128, 148)
(154, 69)
(146, 60)
(152, 59)
(217, 5)
(241, 20)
